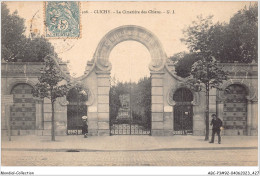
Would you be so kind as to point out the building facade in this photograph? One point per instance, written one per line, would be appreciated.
(175, 108)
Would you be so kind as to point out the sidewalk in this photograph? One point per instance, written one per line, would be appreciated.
(126, 143)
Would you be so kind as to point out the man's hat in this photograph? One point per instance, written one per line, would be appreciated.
(84, 117)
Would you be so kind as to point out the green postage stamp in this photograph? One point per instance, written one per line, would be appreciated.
(62, 19)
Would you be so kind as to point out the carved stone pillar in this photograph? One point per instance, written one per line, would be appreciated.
(103, 85)
(39, 114)
(157, 103)
(249, 117)
(219, 112)
(254, 111)
(8, 120)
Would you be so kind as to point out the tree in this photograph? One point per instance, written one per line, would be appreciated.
(244, 29)
(49, 86)
(211, 75)
(183, 65)
(15, 45)
(140, 97)
(236, 41)
(77, 94)
(35, 49)
(12, 32)
(205, 71)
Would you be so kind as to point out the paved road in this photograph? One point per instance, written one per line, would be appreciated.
(240, 157)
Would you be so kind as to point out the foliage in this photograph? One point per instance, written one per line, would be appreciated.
(140, 100)
(77, 94)
(49, 86)
(178, 56)
(143, 100)
(208, 72)
(35, 49)
(243, 27)
(200, 38)
(184, 64)
(12, 33)
(196, 35)
(15, 45)
(114, 101)
(236, 41)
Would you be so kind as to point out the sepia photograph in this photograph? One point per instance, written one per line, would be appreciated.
(129, 83)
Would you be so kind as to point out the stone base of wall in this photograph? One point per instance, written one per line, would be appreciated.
(19, 132)
(92, 132)
(232, 133)
(4, 133)
(34, 132)
(162, 133)
(198, 132)
(103, 132)
(254, 132)
(168, 133)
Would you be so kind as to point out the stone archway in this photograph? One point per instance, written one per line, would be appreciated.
(103, 68)
(130, 32)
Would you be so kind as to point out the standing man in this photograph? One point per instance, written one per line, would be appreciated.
(85, 126)
(217, 123)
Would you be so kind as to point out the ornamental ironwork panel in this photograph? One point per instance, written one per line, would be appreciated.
(23, 115)
(128, 129)
(235, 109)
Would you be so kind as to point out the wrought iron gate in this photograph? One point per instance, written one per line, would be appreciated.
(128, 129)
(76, 108)
(183, 118)
(74, 119)
(183, 112)
(128, 121)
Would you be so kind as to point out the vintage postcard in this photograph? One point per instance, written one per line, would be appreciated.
(129, 83)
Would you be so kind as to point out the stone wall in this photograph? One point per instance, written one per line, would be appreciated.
(243, 74)
(96, 81)
(28, 73)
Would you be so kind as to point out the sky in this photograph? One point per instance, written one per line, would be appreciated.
(129, 59)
